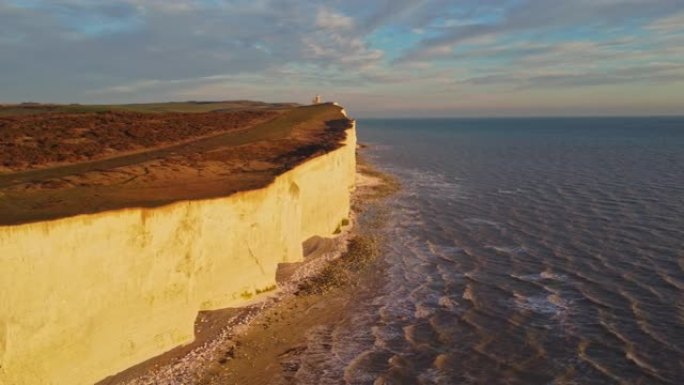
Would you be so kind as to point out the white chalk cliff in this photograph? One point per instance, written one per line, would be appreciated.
(84, 297)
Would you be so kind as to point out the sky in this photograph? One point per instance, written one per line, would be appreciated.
(378, 58)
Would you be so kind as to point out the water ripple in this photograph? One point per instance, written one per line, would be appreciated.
(539, 255)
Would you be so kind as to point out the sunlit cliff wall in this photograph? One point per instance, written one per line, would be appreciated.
(85, 297)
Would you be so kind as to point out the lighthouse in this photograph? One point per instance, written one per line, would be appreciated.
(316, 99)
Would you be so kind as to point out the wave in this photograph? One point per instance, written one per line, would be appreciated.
(528, 260)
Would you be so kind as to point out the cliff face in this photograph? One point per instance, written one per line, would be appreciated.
(87, 296)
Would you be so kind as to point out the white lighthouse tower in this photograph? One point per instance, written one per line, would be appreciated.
(316, 99)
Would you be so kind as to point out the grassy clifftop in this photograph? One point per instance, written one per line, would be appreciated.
(184, 107)
(207, 166)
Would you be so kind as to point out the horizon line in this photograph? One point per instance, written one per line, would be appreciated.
(526, 116)
(370, 116)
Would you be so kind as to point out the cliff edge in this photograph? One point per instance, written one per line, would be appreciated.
(106, 262)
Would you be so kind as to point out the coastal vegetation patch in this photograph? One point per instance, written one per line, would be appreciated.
(35, 140)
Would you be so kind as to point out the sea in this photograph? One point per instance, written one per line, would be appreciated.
(521, 251)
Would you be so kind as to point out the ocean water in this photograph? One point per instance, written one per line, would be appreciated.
(522, 251)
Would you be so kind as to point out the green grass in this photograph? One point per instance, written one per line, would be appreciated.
(279, 127)
(185, 107)
(266, 289)
(246, 294)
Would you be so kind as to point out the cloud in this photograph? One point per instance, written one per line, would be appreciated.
(82, 19)
(669, 24)
(331, 20)
(659, 73)
(381, 52)
(169, 40)
(538, 17)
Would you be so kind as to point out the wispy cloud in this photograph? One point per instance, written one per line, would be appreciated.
(381, 55)
(331, 20)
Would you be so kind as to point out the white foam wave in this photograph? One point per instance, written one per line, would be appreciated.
(481, 221)
(509, 192)
(542, 304)
(542, 276)
(507, 249)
